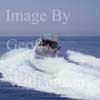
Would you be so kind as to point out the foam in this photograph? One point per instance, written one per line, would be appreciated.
(84, 59)
(52, 75)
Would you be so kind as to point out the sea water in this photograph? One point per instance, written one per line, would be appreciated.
(73, 76)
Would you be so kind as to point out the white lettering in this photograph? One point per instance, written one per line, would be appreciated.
(56, 15)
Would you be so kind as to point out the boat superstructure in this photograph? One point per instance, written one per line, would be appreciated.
(47, 45)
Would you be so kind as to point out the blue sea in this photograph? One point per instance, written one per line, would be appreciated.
(88, 46)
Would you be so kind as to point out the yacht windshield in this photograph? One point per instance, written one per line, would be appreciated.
(52, 44)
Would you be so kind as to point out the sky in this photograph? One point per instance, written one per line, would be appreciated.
(71, 17)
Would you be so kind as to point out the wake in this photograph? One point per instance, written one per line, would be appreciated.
(78, 79)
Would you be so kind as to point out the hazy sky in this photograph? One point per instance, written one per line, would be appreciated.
(83, 20)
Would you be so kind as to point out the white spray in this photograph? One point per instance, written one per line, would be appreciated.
(53, 75)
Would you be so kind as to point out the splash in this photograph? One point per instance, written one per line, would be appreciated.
(84, 59)
(78, 79)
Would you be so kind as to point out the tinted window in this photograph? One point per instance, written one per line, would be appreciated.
(51, 43)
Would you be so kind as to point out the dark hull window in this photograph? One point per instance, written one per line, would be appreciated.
(52, 44)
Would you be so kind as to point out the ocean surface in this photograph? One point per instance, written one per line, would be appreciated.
(81, 55)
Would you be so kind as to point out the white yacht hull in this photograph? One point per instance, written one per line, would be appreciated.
(44, 51)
